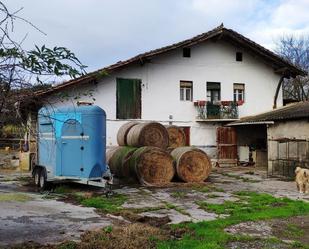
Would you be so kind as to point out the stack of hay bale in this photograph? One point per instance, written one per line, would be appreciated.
(153, 154)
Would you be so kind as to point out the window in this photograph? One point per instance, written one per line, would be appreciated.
(239, 92)
(238, 56)
(213, 91)
(186, 52)
(186, 91)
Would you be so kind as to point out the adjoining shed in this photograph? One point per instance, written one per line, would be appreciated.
(286, 131)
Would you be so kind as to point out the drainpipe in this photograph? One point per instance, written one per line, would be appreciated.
(277, 91)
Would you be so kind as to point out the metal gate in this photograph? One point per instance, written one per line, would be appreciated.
(226, 146)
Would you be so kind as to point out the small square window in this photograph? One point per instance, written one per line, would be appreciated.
(186, 91)
(239, 92)
(238, 56)
(186, 52)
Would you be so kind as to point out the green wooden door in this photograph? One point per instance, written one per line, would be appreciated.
(128, 98)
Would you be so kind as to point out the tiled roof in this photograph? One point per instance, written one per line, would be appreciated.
(294, 111)
(219, 32)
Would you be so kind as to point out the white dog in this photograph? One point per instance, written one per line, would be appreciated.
(302, 179)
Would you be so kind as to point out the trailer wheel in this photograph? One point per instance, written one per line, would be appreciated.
(42, 182)
(37, 175)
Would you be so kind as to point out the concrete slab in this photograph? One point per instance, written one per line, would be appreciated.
(45, 221)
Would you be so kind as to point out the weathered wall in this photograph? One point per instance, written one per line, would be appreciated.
(294, 129)
(210, 61)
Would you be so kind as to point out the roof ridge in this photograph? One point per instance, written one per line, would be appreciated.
(187, 42)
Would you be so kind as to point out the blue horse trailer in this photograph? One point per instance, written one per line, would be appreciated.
(71, 146)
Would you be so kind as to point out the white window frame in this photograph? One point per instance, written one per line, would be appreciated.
(186, 92)
(237, 92)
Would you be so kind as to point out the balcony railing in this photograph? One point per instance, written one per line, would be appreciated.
(218, 110)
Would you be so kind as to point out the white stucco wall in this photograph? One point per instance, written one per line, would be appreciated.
(210, 61)
(292, 129)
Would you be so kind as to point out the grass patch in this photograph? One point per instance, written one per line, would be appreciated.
(207, 189)
(293, 231)
(178, 209)
(178, 194)
(63, 189)
(7, 179)
(182, 211)
(213, 196)
(14, 197)
(251, 207)
(106, 205)
(145, 209)
(299, 245)
(244, 179)
(250, 173)
(68, 245)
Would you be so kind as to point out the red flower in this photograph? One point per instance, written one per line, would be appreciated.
(200, 103)
(226, 103)
(240, 102)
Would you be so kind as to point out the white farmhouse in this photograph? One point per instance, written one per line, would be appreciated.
(199, 84)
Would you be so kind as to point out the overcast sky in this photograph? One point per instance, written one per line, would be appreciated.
(102, 32)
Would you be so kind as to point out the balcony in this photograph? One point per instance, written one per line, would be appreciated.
(221, 110)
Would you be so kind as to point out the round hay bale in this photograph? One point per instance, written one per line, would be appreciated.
(110, 152)
(126, 171)
(148, 134)
(192, 164)
(123, 132)
(169, 150)
(176, 135)
(153, 166)
(116, 159)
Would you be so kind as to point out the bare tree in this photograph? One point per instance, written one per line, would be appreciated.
(296, 50)
(21, 70)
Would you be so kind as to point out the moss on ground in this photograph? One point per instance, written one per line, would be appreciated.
(14, 197)
(244, 179)
(207, 189)
(251, 207)
(179, 194)
(108, 205)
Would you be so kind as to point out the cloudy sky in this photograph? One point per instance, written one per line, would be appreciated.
(102, 32)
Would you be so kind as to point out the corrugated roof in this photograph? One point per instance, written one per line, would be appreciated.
(293, 111)
(219, 32)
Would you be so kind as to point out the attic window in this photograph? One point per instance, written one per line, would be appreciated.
(186, 52)
(238, 56)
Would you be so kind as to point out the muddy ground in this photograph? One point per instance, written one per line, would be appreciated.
(27, 215)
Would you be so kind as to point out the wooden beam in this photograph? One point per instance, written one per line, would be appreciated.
(277, 91)
(281, 70)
